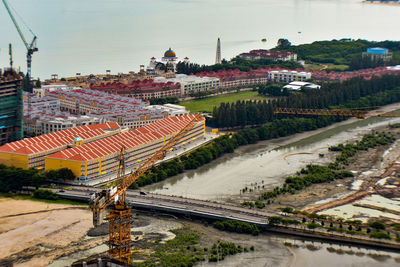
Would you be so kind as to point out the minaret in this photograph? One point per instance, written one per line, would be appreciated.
(218, 54)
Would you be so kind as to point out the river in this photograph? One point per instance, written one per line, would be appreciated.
(266, 163)
(94, 36)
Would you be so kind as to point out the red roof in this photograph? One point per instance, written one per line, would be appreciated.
(136, 85)
(131, 139)
(342, 76)
(58, 139)
(226, 75)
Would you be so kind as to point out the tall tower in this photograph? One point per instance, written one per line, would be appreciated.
(218, 54)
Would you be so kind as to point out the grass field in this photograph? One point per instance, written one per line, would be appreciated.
(207, 104)
(26, 197)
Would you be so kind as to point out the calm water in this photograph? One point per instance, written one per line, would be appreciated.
(266, 163)
(92, 36)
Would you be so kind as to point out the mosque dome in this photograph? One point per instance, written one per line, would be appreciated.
(169, 53)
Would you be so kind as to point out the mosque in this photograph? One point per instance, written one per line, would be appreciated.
(166, 64)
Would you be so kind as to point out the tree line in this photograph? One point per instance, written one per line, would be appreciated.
(339, 52)
(355, 92)
(236, 63)
(13, 179)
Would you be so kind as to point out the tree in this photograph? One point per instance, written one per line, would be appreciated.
(38, 83)
(283, 43)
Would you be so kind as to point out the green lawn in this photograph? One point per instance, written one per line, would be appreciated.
(337, 67)
(207, 104)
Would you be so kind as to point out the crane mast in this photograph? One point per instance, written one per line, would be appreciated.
(120, 215)
(30, 47)
(10, 53)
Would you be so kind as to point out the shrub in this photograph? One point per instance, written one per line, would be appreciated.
(377, 225)
(45, 194)
(380, 235)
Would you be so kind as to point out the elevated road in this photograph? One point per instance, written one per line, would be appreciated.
(178, 205)
(217, 211)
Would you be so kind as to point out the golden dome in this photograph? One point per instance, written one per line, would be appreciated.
(169, 53)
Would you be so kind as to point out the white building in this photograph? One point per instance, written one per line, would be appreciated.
(287, 76)
(173, 110)
(42, 91)
(296, 86)
(192, 84)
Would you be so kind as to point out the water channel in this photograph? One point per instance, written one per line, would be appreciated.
(265, 163)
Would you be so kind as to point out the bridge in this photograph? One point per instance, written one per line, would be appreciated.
(194, 208)
(178, 205)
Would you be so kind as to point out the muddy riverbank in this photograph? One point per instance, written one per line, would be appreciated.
(264, 164)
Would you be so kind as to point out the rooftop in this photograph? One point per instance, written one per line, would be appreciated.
(129, 140)
(59, 139)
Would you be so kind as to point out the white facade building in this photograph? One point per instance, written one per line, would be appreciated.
(296, 86)
(287, 76)
(173, 110)
(192, 84)
(42, 91)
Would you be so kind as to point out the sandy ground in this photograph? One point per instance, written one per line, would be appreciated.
(35, 233)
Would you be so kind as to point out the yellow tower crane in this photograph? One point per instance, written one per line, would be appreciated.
(120, 215)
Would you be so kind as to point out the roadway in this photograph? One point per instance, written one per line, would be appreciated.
(194, 208)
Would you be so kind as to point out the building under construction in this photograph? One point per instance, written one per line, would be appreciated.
(11, 106)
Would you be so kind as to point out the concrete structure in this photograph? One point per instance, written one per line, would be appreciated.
(287, 76)
(101, 157)
(297, 86)
(269, 54)
(191, 83)
(218, 53)
(11, 105)
(378, 53)
(31, 152)
(235, 78)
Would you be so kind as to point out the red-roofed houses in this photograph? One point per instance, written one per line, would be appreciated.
(144, 89)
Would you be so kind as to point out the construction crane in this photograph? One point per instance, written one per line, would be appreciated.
(30, 47)
(120, 215)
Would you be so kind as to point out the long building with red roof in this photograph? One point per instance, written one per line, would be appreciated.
(101, 157)
(236, 77)
(31, 152)
(141, 89)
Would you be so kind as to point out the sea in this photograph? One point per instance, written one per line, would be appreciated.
(87, 36)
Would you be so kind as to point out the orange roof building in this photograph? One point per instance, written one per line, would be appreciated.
(31, 152)
(100, 158)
